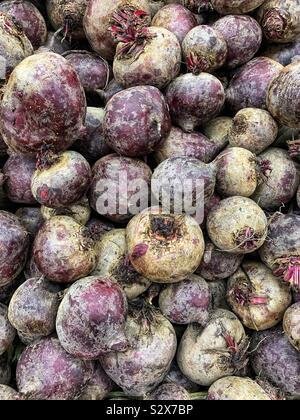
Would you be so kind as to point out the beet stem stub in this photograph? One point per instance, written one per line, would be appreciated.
(247, 297)
(163, 227)
(246, 239)
(289, 269)
(275, 23)
(294, 148)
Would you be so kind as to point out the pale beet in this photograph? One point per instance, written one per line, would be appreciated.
(169, 391)
(258, 297)
(79, 211)
(194, 99)
(91, 318)
(176, 376)
(14, 242)
(291, 325)
(64, 250)
(136, 121)
(29, 18)
(98, 387)
(280, 179)
(194, 145)
(9, 394)
(225, 7)
(253, 129)
(31, 218)
(175, 18)
(204, 49)
(33, 307)
(186, 302)
(233, 388)
(152, 347)
(129, 178)
(45, 371)
(50, 109)
(217, 131)
(243, 37)
(217, 264)
(7, 331)
(60, 179)
(249, 86)
(165, 248)
(18, 171)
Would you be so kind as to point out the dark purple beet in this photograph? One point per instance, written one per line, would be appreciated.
(119, 173)
(98, 386)
(136, 121)
(176, 18)
(194, 99)
(111, 89)
(93, 71)
(29, 18)
(249, 85)
(7, 331)
(31, 218)
(14, 242)
(169, 391)
(55, 43)
(5, 370)
(43, 104)
(243, 36)
(99, 226)
(45, 371)
(18, 171)
(91, 318)
(273, 358)
(93, 146)
(283, 53)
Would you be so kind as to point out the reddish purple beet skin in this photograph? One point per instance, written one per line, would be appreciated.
(249, 85)
(18, 171)
(120, 173)
(243, 36)
(91, 318)
(136, 121)
(45, 371)
(194, 99)
(14, 242)
(43, 104)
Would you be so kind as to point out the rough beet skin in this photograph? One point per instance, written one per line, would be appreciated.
(225, 7)
(7, 331)
(31, 218)
(233, 388)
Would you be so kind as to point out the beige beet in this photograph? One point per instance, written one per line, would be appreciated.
(217, 131)
(291, 325)
(79, 211)
(237, 389)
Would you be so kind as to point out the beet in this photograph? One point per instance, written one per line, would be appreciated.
(136, 121)
(194, 145)
(243, 36)
(93, 146)
(18, 171)
(275, 360)
(283, 53)
(169, 391)
(155, 62)
(280, 181)
(29, 18)
(3, 148)
(207, 354)
(236, 172)
(7, 331)
(31, 218)
(60, 180)
(33, 307)
(14, 242)
(216, 130)
(194, 99)
(91, 317)
(280, 20)
(225, 7)
(55, 43)
(98, 387)
(218, 294)
(45, 371)
(124, 176)
(253, 129)
(175, 18)
(281, 251)
(187, 301)
(165, 248)
(218, 264)
(282, 102)
(176, 376)
(14, 45)
(9, 394)
(99, 226)
(63, 250)
(113, 262)
(204, 49)
(152, 346)
(100, 15)
(233, 388)
(257, 296)
(5, 369)
(43, 104)
(249, 85)
(93, 70)
(291, 325)
(68, 16)
(79, 211)
(111, 89)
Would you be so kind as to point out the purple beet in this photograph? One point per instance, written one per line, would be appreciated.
(45, 371)
(31, 218)
(283, 53)
(136, 121)
(98, 387)
(55, 43)
(7, 331)
(99, 226)
(111, 89)
(91, 318)
(243, 36)
(249, 85)
(169, 391)
(194, 99)
(18, 171)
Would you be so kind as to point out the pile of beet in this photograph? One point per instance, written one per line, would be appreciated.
(149, 199)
